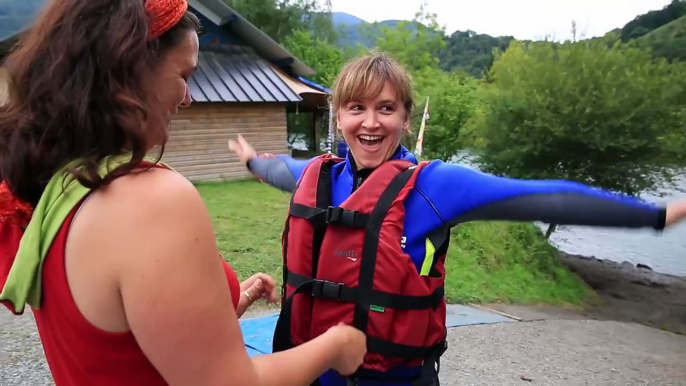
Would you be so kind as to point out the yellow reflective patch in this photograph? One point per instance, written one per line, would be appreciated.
(428, 258)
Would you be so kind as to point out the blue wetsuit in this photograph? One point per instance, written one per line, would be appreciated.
(447, 194)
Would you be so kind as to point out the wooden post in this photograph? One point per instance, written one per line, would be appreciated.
(317, 135)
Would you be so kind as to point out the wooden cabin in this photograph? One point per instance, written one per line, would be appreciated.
(246, 84)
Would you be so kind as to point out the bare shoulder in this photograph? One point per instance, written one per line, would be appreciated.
(150, 190)
(152, 236)
(156, 207)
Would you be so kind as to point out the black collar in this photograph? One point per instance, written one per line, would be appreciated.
(359, 176)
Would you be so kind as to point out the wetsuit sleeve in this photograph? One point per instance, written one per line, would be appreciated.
(281, 171)
(459, 194)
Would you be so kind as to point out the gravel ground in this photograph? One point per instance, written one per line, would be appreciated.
(549, 352)
(564, 352)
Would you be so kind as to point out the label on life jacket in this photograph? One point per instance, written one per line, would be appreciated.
(346, 264)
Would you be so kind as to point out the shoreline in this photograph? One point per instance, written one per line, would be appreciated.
(631, 293)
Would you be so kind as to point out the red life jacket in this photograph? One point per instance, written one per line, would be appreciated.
(346, 264)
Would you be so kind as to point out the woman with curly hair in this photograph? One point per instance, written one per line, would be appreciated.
(113, 251)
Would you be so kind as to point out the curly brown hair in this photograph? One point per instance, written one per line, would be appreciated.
(76, 92)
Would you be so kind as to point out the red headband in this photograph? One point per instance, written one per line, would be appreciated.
(164, 14)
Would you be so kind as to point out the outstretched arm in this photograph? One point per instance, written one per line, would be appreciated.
(460, 194)
(281, 172)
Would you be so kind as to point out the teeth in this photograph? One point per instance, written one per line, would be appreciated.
(371, 137)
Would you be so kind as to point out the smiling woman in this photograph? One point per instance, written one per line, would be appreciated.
(373, 101)
(396, 214)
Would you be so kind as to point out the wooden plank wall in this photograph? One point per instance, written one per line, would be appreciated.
(198, 143)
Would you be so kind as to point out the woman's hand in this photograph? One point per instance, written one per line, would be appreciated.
(676, 212)
(258, 286)
(243, 149)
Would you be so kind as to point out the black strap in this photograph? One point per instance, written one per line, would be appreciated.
(391, 349)
(332, 215)
(370, 248)
(364, 296)
(282, 331)
(325, 289)
(427, 377)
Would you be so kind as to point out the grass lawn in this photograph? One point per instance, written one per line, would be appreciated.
(487, 262)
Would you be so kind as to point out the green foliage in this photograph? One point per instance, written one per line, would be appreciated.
(608, 117)
(452, 104)
(322, 56)
(413, 47)
(471, 51)
(282, 18)
(667, 41)
(508, 262)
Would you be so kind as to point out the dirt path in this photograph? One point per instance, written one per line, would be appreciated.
(568, 351)
(550, 346)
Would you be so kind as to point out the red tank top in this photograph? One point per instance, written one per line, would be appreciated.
(79, 353)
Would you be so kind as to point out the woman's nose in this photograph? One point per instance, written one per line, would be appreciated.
(186, 98)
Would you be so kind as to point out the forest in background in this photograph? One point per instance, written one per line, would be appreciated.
(608, 111)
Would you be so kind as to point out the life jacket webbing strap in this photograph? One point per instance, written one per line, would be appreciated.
(282, 333)
(325, 289)
(332, 215)
(370, 248)
(427, 377)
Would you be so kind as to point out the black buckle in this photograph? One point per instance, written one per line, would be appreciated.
(327, 289)
(334, 214)
(343, 217)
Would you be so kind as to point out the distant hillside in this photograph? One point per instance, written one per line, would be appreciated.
(667, 41)
(652, 20)
(352, 30)
(662, 31)
(467, 50)
(340, 18)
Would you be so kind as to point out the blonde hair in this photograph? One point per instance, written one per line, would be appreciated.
(365, 77)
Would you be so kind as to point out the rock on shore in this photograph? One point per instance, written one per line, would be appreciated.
(632, 293)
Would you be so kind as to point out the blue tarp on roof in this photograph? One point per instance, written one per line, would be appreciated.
(315, 85)
(17, 15)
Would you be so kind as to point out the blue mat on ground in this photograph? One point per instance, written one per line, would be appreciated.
(258, 332)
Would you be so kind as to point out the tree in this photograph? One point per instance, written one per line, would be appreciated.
(610, 117)
(412, 43)
(452, 104)
(280, 19)
(325, 58)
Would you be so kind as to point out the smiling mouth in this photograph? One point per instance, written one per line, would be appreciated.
(371, 142)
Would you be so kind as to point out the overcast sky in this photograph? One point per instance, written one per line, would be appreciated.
(523, 19)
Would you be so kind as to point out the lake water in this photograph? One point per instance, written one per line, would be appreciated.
(664, 252)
